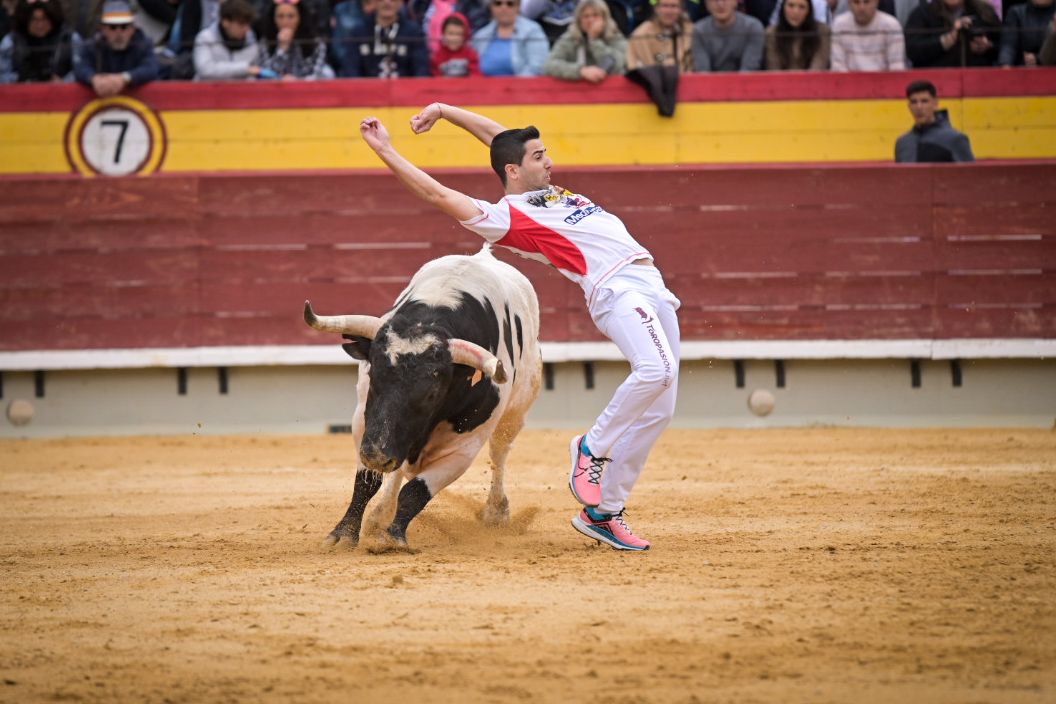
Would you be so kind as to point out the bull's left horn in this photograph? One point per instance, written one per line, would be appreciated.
(473, 355)
(361, 325)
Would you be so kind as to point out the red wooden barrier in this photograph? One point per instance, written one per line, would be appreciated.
(770, 253)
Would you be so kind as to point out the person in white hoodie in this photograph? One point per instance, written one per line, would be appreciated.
(228, 49)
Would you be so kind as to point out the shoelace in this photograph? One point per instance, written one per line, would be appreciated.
(597, 464)
(618, 517)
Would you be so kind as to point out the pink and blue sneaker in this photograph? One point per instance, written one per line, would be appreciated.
(585, 478)
(608, 528)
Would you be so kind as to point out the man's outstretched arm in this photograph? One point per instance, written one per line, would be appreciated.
(457, 205)
(483, 128)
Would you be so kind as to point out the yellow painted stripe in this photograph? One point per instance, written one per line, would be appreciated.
(747, 132)
(32, 143)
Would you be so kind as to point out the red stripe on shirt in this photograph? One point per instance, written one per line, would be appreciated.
(527, 235)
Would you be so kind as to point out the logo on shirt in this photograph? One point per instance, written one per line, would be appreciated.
(581, 213)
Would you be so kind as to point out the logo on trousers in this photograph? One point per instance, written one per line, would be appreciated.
(647, 320)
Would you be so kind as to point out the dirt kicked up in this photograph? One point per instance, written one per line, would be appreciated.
(814, 565)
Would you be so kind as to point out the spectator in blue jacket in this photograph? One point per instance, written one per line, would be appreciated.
(511, 44)
(391, 46)
(119, 56)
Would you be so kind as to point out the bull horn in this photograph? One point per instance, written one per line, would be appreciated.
(473, 355)
(360, 325)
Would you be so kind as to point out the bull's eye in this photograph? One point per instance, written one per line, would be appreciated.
(436, 374)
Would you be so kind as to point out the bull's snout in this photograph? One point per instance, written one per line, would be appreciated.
(378, 461)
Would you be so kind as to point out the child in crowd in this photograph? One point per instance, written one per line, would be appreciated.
(455, 57)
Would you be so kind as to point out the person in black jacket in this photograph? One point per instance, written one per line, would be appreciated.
(39, 47)
(119, 56)
(1025, 28)
(932, 138)
(951, 33)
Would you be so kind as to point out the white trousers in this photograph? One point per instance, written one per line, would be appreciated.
(636, 311)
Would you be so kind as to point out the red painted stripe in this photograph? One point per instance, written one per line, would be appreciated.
(414, 92)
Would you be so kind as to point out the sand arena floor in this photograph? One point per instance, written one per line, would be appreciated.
(816, 565)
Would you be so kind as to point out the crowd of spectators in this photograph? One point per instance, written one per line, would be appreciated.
(110, 44)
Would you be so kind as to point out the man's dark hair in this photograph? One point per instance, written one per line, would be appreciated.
(920, 87)
(237, 11)
(508, 147)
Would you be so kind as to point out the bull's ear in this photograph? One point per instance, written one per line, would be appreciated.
(357, 347)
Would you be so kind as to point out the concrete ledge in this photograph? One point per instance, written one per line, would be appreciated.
(325, 355)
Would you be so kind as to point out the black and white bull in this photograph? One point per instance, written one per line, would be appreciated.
(455, 363)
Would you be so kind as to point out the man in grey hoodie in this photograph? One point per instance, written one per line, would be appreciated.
(932, 138)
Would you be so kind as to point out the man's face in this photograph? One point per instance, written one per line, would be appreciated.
(118, 36)
(387, 11)
(668, 12)
(864, 10)
(234, 29)
(722, 10)
(533, 173)
(922, 105)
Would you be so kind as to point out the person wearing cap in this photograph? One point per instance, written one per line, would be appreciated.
(120, 56)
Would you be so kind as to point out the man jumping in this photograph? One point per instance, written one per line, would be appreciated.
(625, 293)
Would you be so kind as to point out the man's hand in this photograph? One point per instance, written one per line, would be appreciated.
(374, 133)
(107, 84)
(594, 74)
(424, 121)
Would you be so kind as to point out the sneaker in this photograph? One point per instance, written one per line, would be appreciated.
(585, 478)
(608, 528)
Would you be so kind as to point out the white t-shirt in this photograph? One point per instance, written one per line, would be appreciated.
(563, 229)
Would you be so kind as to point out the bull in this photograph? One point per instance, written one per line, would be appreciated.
(453, 364)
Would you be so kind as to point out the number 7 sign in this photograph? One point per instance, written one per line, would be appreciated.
(117, 136)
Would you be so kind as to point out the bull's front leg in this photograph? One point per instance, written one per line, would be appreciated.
(347, 529)
(413, 498)
(384, 508)
(440, 470)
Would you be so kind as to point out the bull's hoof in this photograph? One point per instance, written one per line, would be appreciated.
(387, 542)
(496, 515)
(383, 548)
(338, 538)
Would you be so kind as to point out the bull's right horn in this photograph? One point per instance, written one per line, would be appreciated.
(360, 325)
(473, 355)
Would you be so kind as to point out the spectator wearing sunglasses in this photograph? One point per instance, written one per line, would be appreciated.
(119, 56)
(289, 45)
(227, 49)
(392, 46)
(38, 49)
(511, 44)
